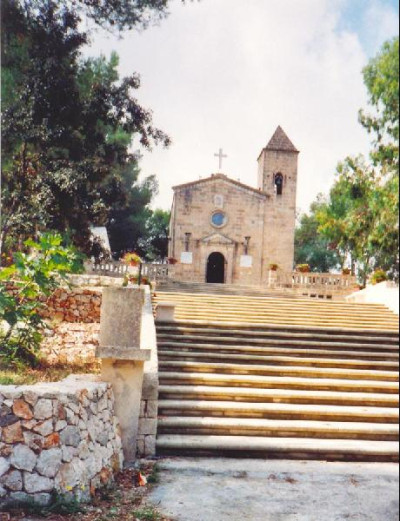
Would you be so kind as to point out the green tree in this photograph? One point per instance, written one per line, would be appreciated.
(155, 242)
(349, 220)
(67, 126)
(381, 77)
(311, 247)
(112, 14)
(129, 215)
(361, 217)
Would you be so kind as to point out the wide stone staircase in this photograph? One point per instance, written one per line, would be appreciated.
(257, 376)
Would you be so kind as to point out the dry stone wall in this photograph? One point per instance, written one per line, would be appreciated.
(57, 438)
(74, 305)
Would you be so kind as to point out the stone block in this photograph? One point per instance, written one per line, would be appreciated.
(34, 441)
(4, 466)
(147, 426)
(43, 409)
(70, 436)
(12, 433)
(44, 428)
(150, 446)
(33, 483)
(152, 409)
(22, 410)
(23, 458)
(49, 462)
(13, 481)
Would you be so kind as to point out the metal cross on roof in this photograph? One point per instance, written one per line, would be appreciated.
(221, 156)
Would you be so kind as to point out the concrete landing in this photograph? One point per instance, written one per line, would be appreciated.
(258, 490)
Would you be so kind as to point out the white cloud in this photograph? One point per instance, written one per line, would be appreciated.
(227, 72)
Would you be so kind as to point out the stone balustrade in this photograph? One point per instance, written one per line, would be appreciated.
(313, 284)
(109, 268)
(158, 272)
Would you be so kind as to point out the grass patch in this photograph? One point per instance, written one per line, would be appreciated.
(147, 514)
(23, 375)
(60, 505)
(154, 476)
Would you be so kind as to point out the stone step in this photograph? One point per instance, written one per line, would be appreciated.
(187, 340)
(210, 426)
(283, 323)
(282, 328)
(167, 355)
(284, 351)
(350, 323)
(281, 411)
(263, 370)
(258, 334)
(255, 306)
(278, 382)
(251, 395)
(292, 314)
(282, 448)
(274, 300)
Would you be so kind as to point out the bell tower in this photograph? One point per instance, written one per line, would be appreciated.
(277, 176)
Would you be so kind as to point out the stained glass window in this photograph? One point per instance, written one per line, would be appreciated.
(218, 219)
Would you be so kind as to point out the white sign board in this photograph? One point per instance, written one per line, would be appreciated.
(246, 261)
(187, 257)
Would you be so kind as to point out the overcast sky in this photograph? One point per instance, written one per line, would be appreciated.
(226, 73)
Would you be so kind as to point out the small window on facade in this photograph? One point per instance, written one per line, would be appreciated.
(279, 184)
(187, 241)
(219, 201)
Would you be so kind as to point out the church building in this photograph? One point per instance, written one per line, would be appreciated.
(224, 231)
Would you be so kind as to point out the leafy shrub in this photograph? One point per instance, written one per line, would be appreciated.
(303, 268)
(378, 276)
(24, 287)
(131, 259)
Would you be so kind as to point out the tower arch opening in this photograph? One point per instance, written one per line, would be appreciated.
(278, 181)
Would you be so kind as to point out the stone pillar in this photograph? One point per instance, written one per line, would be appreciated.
(122, 358)
(165, 312)
(121, 317)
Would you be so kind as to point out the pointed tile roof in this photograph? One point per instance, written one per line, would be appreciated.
(281, 142)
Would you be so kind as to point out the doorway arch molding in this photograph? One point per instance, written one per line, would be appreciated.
(216, 268)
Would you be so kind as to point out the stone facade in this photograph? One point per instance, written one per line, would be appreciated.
(57, 438)
(225, 231)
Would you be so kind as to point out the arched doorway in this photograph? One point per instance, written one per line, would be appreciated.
(216, 268)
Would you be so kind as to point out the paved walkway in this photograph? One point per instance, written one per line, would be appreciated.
(255, 490)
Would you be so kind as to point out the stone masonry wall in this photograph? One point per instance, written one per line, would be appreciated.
(148, 418)
(74, 305)
(57, 437)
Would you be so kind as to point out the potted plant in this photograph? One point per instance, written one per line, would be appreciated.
(378, 276)
(273, 267)
(303, 268)
(346, 271)
(134, 279)
(131, 259)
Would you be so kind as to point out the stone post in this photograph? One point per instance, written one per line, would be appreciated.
(165, 312)
(122, 358)
(272, 278)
